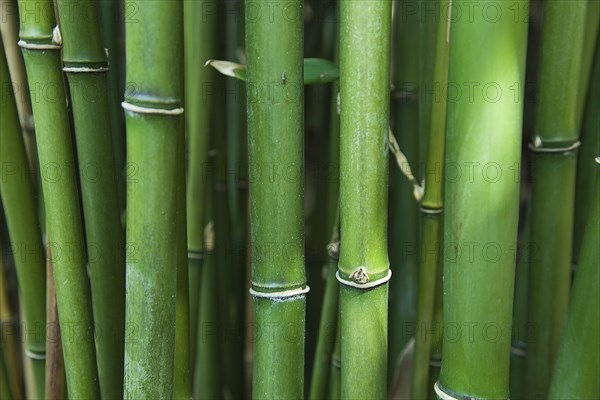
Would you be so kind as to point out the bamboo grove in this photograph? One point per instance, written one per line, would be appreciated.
(258, 199)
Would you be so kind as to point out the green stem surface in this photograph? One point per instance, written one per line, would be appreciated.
(153, 140)
(483, 136)
(365, 34)
(553, 186)
(276, 163)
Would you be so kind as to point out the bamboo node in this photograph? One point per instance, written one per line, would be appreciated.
(85, 69)
(284, 295)
(37, 46)
(33, 355)
(597, 159)
(195, 255)
(537, 144)
(357, 276)
(149, 110)
(442, 395)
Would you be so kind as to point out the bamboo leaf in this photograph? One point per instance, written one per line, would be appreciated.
(316, 70)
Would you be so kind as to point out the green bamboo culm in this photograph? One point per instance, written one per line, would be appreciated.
(430, 262)
(18, 200)
(199, 32)
(363, 268)
(577, 365)
(554, 156)
(154, 123)
(404, 210)
(321, 372)
(484, 131)
(86, 66)
(41, 51)
(274, 45)
(590, 146)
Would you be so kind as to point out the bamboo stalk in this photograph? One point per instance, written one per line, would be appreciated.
(335, 376)
(112, 30)
(590, 146)
(5, 385)
(577, 366)
(55, 388)
(554, 150)
(10, 347)
(9, 27)
(18, 199)
(275, 148)
(199, 33)
(404, 213)
(365, 33)
(86, 67)
(483, 129)
(432, 207)
(518, 350)
(182, 381)
(321, 371)
(208, 364)
(154, 133)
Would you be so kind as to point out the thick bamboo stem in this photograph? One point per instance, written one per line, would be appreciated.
(153, 116)
(55, 365)
(365, 34)
(274, 45)
(483, 130)
(554, 153)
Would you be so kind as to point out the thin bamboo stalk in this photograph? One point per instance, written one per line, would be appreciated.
(432, 207)
(483, 129)
(208, 378)
(86, 67)
(10, 347)
(518, 348)
(275, 87)
(41, 51)
(335, 376)
(17, 193)
(199, 33)
(365, 34)
(154, 134)
(55, 366)
(111, 14)
(577, 366)
(5, 385)
(182, 382)
(9, 27)
(321, 371)
(404, 213)
(590, 146)
(554, 155)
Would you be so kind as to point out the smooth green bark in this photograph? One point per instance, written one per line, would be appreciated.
(578, 366)
(276, 174)
(483, 131)
(553, 185)
(365, 34)
(153, 140)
